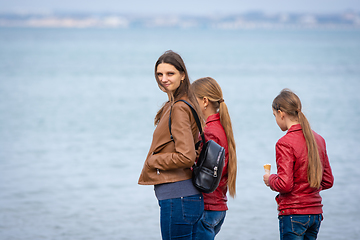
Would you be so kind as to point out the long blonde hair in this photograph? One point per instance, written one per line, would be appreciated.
(209, 88)
(290, 103)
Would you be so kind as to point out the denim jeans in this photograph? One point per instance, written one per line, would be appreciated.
(210, 224)
(179, 217)
(299, 227)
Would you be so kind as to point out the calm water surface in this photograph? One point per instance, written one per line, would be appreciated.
(76, 122)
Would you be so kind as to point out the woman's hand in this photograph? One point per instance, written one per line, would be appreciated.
(266, 179)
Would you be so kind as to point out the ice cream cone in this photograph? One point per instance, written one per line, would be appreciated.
(267, 168)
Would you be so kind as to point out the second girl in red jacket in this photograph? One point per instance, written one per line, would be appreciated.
(303, 170)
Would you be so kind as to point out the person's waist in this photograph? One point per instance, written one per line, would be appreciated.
(175, 190)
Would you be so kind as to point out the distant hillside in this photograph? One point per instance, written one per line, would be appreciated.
(238, 21)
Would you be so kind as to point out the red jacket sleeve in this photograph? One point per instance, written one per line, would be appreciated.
(328, 178)
(283, 181)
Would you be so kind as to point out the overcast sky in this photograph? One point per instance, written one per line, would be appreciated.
(191, 7)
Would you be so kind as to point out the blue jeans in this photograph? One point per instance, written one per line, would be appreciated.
(179, 217)
(299, 227)
(210, 224)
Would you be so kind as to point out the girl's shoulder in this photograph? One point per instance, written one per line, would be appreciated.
(214, 127)
(291, 139)
(319, 139)
(215, 131)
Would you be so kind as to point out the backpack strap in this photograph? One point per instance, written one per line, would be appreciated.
(197, 120)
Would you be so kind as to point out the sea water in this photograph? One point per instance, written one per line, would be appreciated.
(76, 121)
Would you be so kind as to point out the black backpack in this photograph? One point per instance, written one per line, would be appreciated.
(207, 170)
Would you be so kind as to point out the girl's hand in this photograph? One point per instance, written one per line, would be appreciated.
(266, 179)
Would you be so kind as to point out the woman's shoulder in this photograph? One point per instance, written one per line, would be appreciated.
(181, 106)
(165, 106)
(180, 111)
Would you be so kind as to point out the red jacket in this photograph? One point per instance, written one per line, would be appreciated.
(216, 201)
(295, 194)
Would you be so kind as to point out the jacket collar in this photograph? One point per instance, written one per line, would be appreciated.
(294, 128)
(212, 118)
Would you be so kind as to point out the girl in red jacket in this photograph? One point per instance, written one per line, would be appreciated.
(218, 128)
(303, 170)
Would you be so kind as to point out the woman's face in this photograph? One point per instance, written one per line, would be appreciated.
(169, 77)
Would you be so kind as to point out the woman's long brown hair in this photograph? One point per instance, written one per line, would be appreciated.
(290, 103)
(209, 88)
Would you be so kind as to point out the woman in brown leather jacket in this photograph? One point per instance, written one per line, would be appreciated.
(169, 161)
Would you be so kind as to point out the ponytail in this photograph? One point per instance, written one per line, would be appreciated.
(290, 103)
(232, 164)
(314, 169)
(209, 88)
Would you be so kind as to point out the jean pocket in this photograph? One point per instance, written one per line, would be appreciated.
(192, 208)
(317, 221)
(300, 223)
(213, 218)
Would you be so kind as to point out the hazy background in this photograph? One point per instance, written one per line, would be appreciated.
(163, 7)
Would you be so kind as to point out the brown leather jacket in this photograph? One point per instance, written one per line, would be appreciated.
(170, 161)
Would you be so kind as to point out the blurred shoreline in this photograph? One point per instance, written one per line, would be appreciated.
(249, 20)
